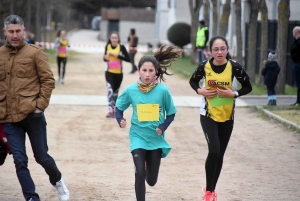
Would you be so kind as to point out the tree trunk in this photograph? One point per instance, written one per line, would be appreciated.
(264, 39)
(251, 61)
(12, 7)
(224, 18)
(37, 22)
(206, 12)
(194, 6)
(28, 23)
(281, 47)
(239, 40)
(215, 17)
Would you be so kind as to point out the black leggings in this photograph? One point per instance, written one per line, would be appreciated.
(59, 61)
(217, 135)
(113, 82)
(150, 172)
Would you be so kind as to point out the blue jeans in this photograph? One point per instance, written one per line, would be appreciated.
(296, 69)
(35, 127)
(201, 56)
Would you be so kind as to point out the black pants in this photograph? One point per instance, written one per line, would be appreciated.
(64, 62)
(113, 82)
(217, 135)
(271, 90)
(35, 127)
(150, 158)
(131, 56)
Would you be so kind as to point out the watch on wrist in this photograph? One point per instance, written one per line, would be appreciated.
(236, 94)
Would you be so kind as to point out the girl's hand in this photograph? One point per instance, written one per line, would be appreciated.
(225, 92)
(106, 57)
(123, 123)
(207, 93)
(159, 131)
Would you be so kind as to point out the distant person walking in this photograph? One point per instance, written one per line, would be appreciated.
(295, 55)
(133, 43)
(61, 43)
(270, 73)
(26, 84)
(202, 41)
(114, 54)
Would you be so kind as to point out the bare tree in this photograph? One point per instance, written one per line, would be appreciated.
(263, 38)
(252, 40)
(224, 18)
(194, 6)
(215, 17)
(37, 21)
(239, 41)
(28, 23)
(12, 7)
(206, 12)
(281, 47)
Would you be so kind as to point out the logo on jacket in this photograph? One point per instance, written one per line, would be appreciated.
(214, 83)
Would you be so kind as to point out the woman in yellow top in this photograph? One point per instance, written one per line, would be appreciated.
(219, 91)
(114, 54)
(61, 43)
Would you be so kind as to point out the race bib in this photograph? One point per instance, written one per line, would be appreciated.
(148, 112)
(114, 64)
(62, 50)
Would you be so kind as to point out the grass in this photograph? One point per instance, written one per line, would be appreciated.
(51, 54)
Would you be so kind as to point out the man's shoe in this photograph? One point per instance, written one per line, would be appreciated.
(274, 102)
(295, 104)
(62, 191)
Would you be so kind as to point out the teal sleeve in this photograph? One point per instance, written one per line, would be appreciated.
(123, 101)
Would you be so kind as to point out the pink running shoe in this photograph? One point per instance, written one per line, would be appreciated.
(214, 194)
(208, 196)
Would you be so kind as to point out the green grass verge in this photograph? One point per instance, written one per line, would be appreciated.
(51, 54)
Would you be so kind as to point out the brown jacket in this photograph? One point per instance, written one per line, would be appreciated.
(26, 81)
(133, 42)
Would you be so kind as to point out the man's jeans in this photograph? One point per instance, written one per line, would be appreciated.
(35, 126)
(296, 69)
(131, 56)
(201, 56)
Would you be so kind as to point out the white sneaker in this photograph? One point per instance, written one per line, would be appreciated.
(62, 191)
(62, 81)
(58, 80)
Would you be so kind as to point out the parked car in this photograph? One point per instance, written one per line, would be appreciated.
(95, 25)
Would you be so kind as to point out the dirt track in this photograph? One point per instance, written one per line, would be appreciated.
(261, 163)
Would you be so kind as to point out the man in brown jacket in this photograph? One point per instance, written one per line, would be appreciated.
(26, 84)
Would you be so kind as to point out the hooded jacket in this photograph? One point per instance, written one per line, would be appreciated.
(270, 72)
(26, 81)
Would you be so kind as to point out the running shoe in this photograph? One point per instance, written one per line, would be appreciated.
(208, 196)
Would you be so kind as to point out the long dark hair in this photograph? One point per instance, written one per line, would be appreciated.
(161, 60)
(111, 33)
(213, 39)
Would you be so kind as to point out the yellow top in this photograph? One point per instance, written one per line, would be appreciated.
(62, 49)
(114, 63)
(219, 109)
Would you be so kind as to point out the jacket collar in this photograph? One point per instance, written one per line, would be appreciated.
(12, 49)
